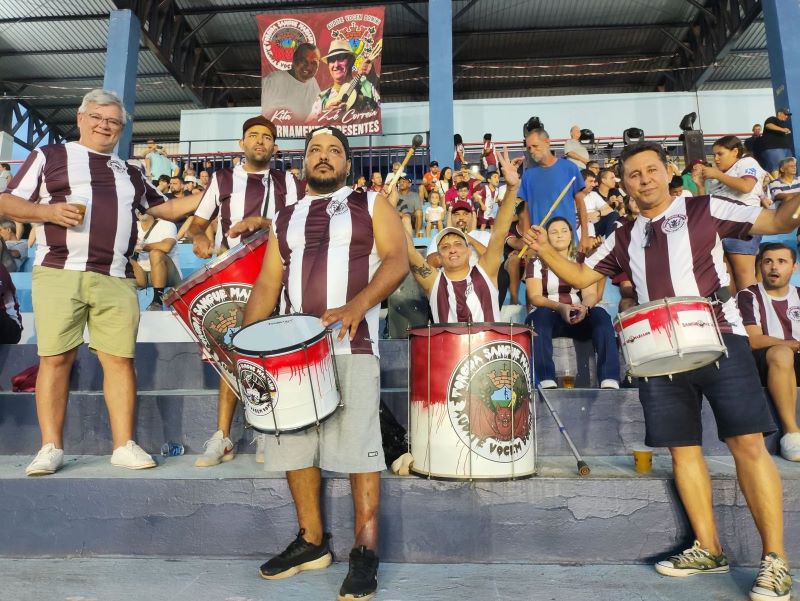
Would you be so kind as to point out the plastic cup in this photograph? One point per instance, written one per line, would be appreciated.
(566, 379)
(80, 204)
(643, 460)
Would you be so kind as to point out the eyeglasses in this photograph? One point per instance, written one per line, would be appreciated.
(648, 234)
(96, 119)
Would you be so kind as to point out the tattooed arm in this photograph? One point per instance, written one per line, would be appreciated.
(422, 272)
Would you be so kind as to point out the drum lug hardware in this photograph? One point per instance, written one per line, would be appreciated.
(670, 377)
(716, 364)
(646, 379)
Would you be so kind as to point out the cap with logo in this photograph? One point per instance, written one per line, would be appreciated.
(447, 231)
(331, 131)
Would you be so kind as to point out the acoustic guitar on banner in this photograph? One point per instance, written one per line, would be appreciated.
(347, 95)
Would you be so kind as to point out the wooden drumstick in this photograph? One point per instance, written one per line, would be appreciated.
(796, 214)
(524, 249)
(416, 142)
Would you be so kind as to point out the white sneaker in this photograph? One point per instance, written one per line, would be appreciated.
(261, 443)
(548, 384)
(790, 446)
(609, 385)
(132, 456)
(217, 449)
(48, 461)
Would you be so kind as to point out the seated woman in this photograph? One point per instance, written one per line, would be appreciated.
(563, 311)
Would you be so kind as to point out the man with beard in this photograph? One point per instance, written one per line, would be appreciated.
(295, 90)
(356, 265)
(340, 60)
(462, 291)
(243, 199)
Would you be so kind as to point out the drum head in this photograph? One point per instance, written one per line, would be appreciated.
(279, 334)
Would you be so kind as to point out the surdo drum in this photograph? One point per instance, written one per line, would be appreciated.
(669, 336)
(210, 302)
(471, 401)
(287, 376)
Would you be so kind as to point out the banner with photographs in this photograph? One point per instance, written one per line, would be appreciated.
(322, 68)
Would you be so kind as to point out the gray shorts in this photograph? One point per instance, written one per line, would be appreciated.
(348, 442)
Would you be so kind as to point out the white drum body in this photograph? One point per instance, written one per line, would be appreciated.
(286, 373)
(669, 336)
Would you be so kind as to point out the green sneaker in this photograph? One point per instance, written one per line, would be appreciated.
(693, 561)
(773, 583)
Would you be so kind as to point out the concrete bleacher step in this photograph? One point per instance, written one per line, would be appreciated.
(613, 516)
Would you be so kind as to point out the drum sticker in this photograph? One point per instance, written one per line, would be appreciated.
(258, 389)
(216, 315)
(489, 401)
(673, 223)
(793, 313)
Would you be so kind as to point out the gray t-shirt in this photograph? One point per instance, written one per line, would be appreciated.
(409, 202)
(579, 149)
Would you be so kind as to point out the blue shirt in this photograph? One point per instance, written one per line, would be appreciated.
(540, 186)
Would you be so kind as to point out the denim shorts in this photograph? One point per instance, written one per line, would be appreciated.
(672, 406)
(735, 246)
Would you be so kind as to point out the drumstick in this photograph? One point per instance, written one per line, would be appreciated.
(416, 142)
(524, 248)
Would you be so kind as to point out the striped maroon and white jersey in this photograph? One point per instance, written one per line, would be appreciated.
(234, 194)
(684, 255)
(112, 188)
(327, 246)
(777, 316)
(473, 299)
(8, 296)
(553, 287)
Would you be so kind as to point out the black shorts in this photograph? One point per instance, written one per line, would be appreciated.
(10, 331)
(760, 355)
(672, 406)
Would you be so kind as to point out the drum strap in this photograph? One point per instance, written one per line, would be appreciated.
(150, 229)
(268, 177)
(721, 295)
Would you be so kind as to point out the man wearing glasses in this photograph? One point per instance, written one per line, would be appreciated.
(82, 198)
(673, 248)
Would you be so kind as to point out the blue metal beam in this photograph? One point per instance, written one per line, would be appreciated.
(780, 21)
(121, 64)
(440, 78)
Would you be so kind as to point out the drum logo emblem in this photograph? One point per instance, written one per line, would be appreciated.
(280, 40)
(216, 315)
(257, 388)
(793, 313)
(673, 223)
(489, 401)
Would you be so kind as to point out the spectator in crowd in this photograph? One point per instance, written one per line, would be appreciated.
(693, 172)
(458, 152)
(155, 257)
(83, 278)
(157, 163)
(205, 179)
(163, 184)
(445, 182)
(10, 317)
(360, 183)
(488, 156)
(17, 248)
(561, 310)
(240, 200)
(676, 187)
(594, 167)
(429, 180)
(769, 313)
(469, 174)
(602, 218)
(776, 141)
(410, 207)
(458, 194)
(543, 182)
(787, 181)
(487, 200)
(176, 187)
(295, 90)
(434, 214)
(753, 144)
(738, 177)
(514, 263)
(461, 216)
(341, 60)
(575, 151)
(5, 176)
(376, 182)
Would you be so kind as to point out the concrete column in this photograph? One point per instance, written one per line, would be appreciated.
(124, 31)
(440, 75)
(783, 44)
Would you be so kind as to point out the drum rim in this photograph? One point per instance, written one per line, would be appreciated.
(661, 302)
(281, 351)
(215, 266)
(426, 476)
(486, 325)
(298, 429)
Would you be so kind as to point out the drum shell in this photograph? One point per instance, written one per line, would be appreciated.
(301, 381)
(211, 301)
(669, 336)
(456, 429)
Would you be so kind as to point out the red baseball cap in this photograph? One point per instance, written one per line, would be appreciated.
(462, 206)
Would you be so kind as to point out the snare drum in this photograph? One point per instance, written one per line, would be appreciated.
(669, 336)
(210, 302)
(286, 373)
(470, 401)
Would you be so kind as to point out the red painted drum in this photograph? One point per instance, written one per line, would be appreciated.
(669, 336)
(286, 373)
(471, 401)
(210, 302)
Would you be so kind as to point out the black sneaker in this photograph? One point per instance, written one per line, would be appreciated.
(300, 555)
(362, 578)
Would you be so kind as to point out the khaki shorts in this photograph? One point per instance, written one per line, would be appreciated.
(65, 302)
